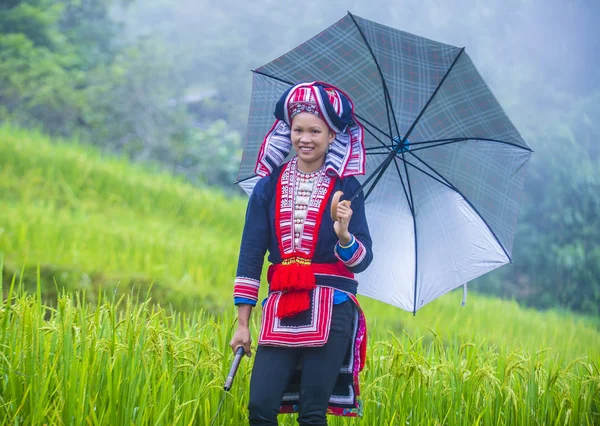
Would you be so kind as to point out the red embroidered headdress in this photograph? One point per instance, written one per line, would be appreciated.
(346, 156)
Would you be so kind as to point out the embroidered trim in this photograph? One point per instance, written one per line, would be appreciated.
(297, 108)
(314, 333)
(359, 255)
(275, 148)
(346, 156)
(343, 402)
(284, 213)
(246, 287)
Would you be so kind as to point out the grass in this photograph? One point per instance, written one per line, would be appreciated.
(117, 309)
(91, 220)
(126, 361)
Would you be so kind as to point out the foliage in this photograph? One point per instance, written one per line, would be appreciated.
(89, 220)
(36, 85)
(563, 248)
(106, 228)
(119, 361)
(65, 68)
(91, 32)
(557, 247)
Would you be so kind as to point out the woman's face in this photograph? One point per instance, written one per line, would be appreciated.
(311, 139)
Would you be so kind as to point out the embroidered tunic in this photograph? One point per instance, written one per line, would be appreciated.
(260, 236)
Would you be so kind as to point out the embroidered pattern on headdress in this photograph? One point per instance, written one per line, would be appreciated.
(297, 108)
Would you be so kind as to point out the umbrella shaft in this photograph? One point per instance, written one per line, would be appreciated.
(378, 172)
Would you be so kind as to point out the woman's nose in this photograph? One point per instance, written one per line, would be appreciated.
(304, 137)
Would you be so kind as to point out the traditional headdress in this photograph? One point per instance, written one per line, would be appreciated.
(346, 156)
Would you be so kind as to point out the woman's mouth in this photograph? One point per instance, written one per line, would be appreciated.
(306, 148)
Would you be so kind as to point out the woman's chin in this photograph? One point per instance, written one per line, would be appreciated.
(311, 158)
(306, 156)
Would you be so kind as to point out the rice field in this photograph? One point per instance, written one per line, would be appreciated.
(116, 310)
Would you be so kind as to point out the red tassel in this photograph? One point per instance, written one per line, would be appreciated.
(293, 277)
(283, 278)
(295, 281)
(293, 303)
(305, 278)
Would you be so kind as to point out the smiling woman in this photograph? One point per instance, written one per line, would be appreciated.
(311, 139)
(312, 341)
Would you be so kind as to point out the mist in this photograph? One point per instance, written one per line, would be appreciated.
(538, 57)
(535, 55)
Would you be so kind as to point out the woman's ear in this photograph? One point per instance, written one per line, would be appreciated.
(331, 137)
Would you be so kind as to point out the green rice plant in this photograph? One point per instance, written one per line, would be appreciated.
(116, 362)
(127, 361)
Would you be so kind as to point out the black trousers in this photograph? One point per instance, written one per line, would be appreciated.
(274, 366)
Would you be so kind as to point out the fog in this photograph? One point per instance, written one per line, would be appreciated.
(536, 55)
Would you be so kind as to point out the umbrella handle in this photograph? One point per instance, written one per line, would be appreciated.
(234, 366)
(335, 201)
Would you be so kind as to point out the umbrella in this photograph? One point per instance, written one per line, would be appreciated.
(441, 208)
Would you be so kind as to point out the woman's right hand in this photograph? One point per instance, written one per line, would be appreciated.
(241, 338)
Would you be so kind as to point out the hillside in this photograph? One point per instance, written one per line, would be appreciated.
(90, 220)
(92, 223)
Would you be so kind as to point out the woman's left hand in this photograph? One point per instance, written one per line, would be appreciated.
(340, 226)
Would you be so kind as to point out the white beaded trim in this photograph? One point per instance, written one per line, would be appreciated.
(305, 184)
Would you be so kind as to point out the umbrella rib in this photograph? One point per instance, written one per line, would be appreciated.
(403, 186)
(388, 99)
(431, 98)
(430, 175)
(465, 139)
(364, 120)
(439, 140)
(442, 142)
(372, 148)
(449, 184)
(379, 171)
(383, 145)
(414, 218)
(273, 77)
(237, 182)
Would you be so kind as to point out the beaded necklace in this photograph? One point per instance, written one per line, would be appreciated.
(305, 183)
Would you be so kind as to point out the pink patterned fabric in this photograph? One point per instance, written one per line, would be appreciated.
(358, 256)
(246, 288)
(314, 332)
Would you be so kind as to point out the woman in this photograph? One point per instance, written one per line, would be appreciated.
(312, 338)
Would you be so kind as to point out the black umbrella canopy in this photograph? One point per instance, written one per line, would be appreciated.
(445, 165)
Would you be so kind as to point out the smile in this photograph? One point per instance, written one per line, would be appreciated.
(306, 148)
